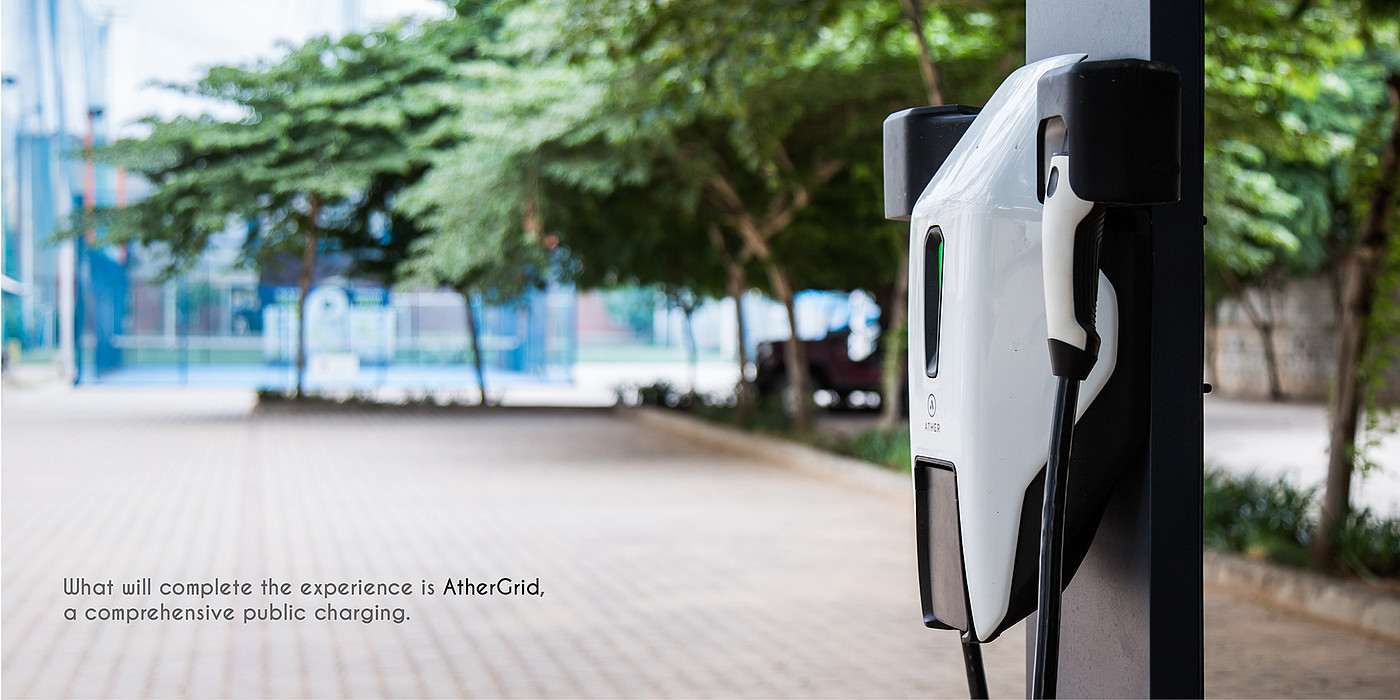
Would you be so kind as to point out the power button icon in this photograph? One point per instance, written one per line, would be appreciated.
(932, 405)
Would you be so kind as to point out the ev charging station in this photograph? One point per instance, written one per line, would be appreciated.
(1055, 347)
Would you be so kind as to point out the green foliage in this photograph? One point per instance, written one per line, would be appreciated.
(1383, 346)
(787, 88)
(663, 394)
(1280, 88)
(637, 234)
(319, 128)
(1272, 519)
(275, 400)
(1296, 119)
(658, 394)
(1383, 326)
(482, 200)
(604, 126)
(1295, 114)
(887, 448)
(1370, 545)
(1264, 518)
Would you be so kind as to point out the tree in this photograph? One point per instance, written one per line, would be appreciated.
(665, 231)
(1362, 269)
(489, 261)
(643, 234)
(1303, 175)
(484, 239)
(1269, 103)
(320, 127)
(795, 89)
(481, 202)
(670, 67)
(987, 37)
(769, 178)
(749, 134)
(376, 234)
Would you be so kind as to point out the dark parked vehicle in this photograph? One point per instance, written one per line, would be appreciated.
(836, 380)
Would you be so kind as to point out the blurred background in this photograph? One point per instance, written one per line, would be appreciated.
(580, 203)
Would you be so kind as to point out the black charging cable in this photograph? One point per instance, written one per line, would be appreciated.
(976, 674)
(1052, 542)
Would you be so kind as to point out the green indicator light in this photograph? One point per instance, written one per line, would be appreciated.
(933, 297)
(940, 263)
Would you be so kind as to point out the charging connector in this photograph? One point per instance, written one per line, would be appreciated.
(1117, 123)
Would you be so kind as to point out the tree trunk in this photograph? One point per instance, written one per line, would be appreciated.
(737, 285)
(692, 350)
(1265, 328)
(1267, 288)
(927, 68)
(756, 236)
(1266, 331)
(476, 346)
(1362, 267)
(308, 271)
(896, 342)
(530, 220)
(1266, 337)
(794, 352)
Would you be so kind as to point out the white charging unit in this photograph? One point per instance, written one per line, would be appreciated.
(981, 389)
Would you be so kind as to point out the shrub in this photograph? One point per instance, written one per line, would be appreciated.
(1274, 519)
(1370, 545)
(883, 447)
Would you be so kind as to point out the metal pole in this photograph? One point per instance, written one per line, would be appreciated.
(1132, 624)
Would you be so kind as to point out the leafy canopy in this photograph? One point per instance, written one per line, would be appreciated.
(319, 128)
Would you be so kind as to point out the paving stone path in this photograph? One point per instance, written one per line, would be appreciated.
(666, 570)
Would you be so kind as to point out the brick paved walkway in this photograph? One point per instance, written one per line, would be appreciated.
(667, 571)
